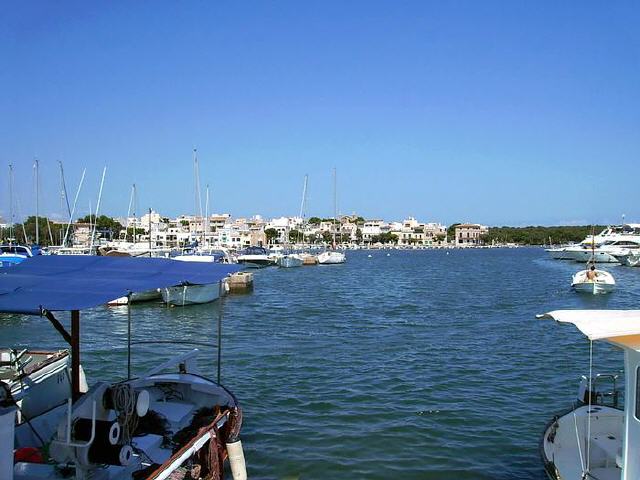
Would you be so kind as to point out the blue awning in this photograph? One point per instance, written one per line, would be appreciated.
(70, 282)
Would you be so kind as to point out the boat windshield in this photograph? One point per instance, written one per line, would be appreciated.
(15, 249)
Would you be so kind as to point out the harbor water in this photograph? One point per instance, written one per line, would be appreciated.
(401, 364)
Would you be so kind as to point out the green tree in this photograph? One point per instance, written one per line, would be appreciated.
(315, 221)
(295, 235)
(271, 234)
(358, 236)
(103, 222)
(28, 229)
(327, 237)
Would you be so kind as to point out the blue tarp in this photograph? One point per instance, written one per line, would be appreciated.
(70, 282)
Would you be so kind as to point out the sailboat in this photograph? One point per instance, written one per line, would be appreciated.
(592, 280)
(333, 257)
(290, 260)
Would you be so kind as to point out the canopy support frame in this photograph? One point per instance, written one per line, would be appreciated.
(57, 325)
(73, 340)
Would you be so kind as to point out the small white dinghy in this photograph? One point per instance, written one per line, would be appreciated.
(331, 257)
(182, 295)
(598, 282)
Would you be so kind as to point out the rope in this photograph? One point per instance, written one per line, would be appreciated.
(124, 403)
(575, 422)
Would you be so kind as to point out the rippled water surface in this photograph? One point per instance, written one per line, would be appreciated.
(420, 364)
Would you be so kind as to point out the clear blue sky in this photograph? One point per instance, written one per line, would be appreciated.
(495, 112)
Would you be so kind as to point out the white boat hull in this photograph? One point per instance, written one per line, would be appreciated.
(603, 283)
(191, 294)
(561, 452)
(184, 407)
(585, 255)
(629, 259)
(256, 260)
(558, 253)
(137, 297)
(289, 261)
(331, 258)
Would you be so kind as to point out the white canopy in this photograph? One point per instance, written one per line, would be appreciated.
(600, 324)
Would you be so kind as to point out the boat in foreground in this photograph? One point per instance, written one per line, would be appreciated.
(599, 436)
(170, 422)
(602, 282)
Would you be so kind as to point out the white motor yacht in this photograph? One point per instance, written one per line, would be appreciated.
(599, 437)
(559, 253)
(607, 251)
(256, 257)
(629, 259)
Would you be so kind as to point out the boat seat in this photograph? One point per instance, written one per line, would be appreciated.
(175, 412)
(610, 445)
(611, 473)
(151, 445)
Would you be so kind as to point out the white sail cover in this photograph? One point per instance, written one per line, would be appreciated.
(600, 324)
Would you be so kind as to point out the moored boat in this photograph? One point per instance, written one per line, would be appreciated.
(289, 261)
(12, 254)
(189, 294)
(331, 257)
(255, 257)
(599, 436)
(629, 259)
(601, 281)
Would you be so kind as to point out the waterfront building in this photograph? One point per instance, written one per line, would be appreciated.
(470, 234)
(370, 229)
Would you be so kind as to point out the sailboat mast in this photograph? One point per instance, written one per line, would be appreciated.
(335, 206)
(11, 214)
(206, 217)
(64, 188)
(35, 166)
(95, 225)
(303, 206)
(196, 171)
(135, 219)
(73, 210)
(303, 203)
